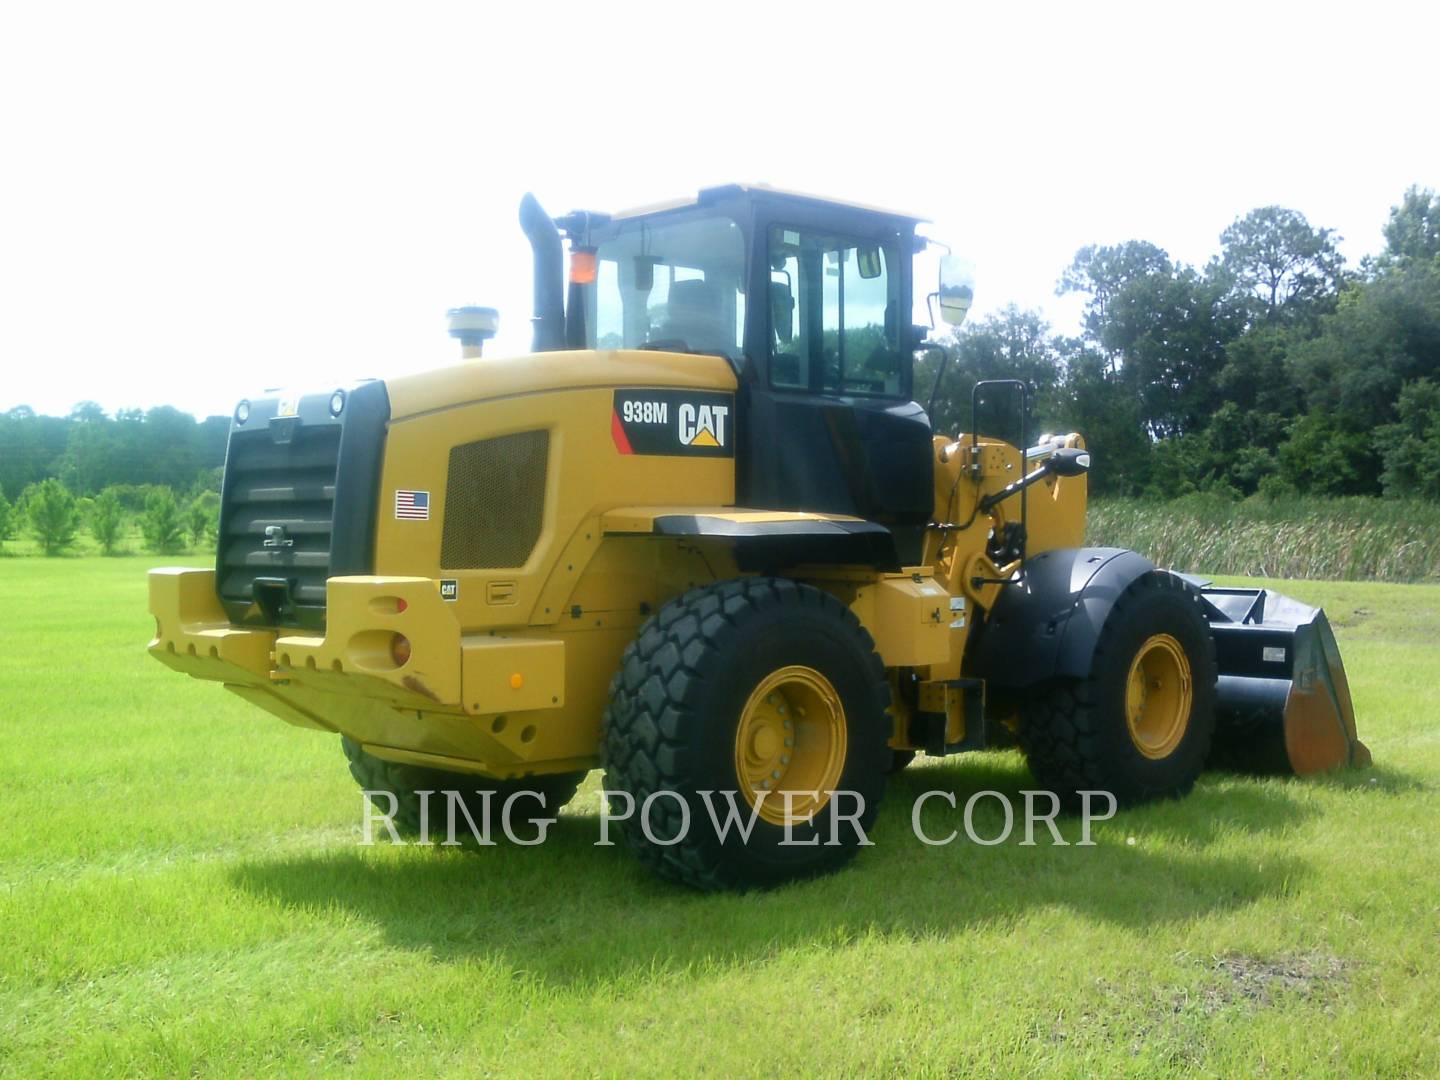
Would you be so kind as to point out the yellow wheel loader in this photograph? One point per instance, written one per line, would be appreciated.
(704, 537)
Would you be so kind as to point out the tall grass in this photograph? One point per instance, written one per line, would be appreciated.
(1351, 539)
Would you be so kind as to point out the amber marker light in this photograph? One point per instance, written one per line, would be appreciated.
(582, 266)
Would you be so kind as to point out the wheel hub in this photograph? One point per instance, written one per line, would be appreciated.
(791, 737)
(1158, 696)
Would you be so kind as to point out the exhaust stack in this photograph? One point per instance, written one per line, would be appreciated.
(544, 237)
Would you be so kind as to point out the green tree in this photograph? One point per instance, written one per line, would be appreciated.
(1171, 329)
(1323, 456)
(1257, 378)
(202, 517)
(1413, 231)
(1278, 261)
(1241, 446)
(1111, 420)
(107, 520)
(1384, 334)
(1178, 466)
(161, 522)
(1101, 272)
(53, 516)
(1410, 448)
(1011, 344)
(5, 517)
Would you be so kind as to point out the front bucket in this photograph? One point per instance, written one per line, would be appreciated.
(1282, 704)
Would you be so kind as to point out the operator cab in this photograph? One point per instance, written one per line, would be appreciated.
(809, 299)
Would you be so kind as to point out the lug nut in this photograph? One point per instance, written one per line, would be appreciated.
(776, 774)
(784, 759)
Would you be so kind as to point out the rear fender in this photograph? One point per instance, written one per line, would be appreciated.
(767, 541)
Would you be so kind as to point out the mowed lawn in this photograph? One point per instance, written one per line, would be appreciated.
(182, 890)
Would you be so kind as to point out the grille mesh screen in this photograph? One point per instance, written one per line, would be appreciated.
(495, 501)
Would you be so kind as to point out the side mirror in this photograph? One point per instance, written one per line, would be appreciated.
(957, 288)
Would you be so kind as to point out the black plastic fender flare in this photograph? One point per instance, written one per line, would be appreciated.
(767, 546)
(1048, 623)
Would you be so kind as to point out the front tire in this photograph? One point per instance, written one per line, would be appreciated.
(748, 686)
(1139, 725)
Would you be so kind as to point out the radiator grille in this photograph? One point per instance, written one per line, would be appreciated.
(495, 501)
(290, 484)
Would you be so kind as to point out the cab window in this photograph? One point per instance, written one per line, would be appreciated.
(834, 325)
(676, 285)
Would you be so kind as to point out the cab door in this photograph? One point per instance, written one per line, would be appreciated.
(828, 423)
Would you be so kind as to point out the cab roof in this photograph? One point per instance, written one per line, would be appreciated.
(714, 194)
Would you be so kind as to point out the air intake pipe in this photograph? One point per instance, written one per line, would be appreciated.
(544, 237)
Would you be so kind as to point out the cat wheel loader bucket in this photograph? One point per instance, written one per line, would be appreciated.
(1282, 703)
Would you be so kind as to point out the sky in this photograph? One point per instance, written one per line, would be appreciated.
(202, 200)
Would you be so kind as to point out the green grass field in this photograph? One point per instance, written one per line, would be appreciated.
(182, 891)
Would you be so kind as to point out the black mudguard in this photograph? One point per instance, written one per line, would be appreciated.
(769, 546)
(1048, 623)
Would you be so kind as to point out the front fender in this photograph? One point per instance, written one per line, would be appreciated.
(1048, 624)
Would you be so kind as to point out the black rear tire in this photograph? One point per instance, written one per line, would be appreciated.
(375, 774)
(1075, 731)
(675, 711)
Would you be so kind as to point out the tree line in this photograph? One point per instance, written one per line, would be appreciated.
(1275, 368)
(52, 514)
(155, 471)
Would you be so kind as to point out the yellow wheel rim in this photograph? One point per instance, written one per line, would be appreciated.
(791, 737)
(1158, 695)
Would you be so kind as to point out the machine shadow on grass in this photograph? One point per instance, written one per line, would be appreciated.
(572, 912)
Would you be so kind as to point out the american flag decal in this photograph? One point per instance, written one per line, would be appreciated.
(412, 505)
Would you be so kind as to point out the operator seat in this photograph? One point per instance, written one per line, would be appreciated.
(693, 318)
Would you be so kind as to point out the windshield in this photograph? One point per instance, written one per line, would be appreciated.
(676, 284)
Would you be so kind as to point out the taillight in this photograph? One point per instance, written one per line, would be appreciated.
(400, 650)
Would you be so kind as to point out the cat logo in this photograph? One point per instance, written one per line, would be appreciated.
(672, 422)
(703, 425)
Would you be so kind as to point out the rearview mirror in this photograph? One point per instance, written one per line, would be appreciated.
(957, 288)
(645, 272)
(868, 260)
